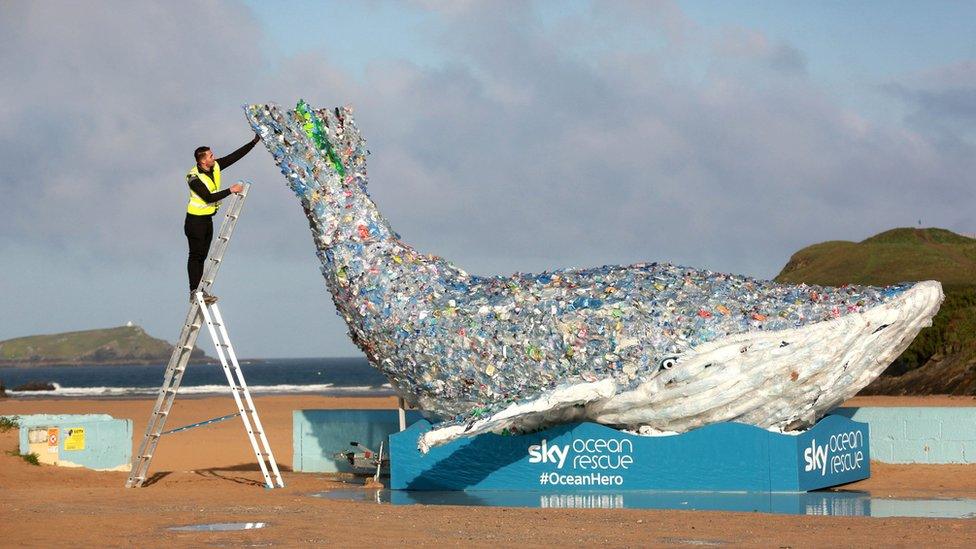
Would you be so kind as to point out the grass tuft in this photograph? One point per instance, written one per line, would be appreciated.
(8, 422)
(31, 458)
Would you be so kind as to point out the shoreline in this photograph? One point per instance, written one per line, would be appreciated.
(27, 365)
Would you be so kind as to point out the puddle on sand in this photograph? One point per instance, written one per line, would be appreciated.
(841, 503)
(351, 479)
(219, 527)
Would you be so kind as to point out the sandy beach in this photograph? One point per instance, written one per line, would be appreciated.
(207, 475)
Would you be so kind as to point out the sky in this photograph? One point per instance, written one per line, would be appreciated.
(505, 136)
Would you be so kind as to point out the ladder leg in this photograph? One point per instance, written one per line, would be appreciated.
(236, 367)
(220, 345)
(164, 402)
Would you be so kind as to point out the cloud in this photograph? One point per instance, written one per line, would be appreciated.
(942, 102)
(537, 144)
(103, 104)
(615, 159)
(754, 46)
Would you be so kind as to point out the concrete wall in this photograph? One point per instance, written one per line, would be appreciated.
(94, 441)
(318, 435)
(919, 435)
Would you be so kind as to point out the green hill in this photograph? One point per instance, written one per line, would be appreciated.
(942, 359)
(110, 345)
(890, 257)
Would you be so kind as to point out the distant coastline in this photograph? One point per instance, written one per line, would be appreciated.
(117, 362)
(123, 345)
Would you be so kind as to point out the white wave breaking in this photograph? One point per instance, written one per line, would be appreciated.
(324, 388)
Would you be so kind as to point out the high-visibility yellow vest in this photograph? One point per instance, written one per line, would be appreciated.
(196, 205)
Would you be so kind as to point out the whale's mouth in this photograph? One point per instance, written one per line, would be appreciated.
(770, 385)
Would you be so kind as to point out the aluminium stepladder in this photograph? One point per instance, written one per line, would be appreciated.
(201, 313)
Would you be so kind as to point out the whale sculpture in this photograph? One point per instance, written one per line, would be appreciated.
(653, 346)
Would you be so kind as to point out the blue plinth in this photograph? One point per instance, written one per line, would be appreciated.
(592, 457)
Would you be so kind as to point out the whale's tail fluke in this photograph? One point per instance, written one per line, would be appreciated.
(318, 150)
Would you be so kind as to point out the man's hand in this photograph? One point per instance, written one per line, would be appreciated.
(236, 188)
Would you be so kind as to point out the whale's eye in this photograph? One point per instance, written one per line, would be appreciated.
(669, 362)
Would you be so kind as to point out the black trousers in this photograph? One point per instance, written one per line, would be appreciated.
(199, 232)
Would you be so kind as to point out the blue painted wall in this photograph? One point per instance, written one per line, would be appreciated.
(318, 434)
(919, 435)
(108, 441)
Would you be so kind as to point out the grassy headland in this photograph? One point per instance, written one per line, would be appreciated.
(125, 344)
(942, 359)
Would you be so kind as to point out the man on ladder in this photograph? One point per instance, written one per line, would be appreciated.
(203, 313)
(204, 182)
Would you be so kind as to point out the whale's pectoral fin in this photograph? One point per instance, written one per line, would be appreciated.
(562, 403)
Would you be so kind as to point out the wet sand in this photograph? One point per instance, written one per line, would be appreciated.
(207, 475)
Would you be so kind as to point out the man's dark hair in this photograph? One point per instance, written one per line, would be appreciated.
(199, 153)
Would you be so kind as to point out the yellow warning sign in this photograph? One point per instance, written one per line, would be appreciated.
(75, 439)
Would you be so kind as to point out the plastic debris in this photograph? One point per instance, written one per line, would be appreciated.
(608, 344)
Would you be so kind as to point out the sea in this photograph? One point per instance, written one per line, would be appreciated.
(322, 376)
